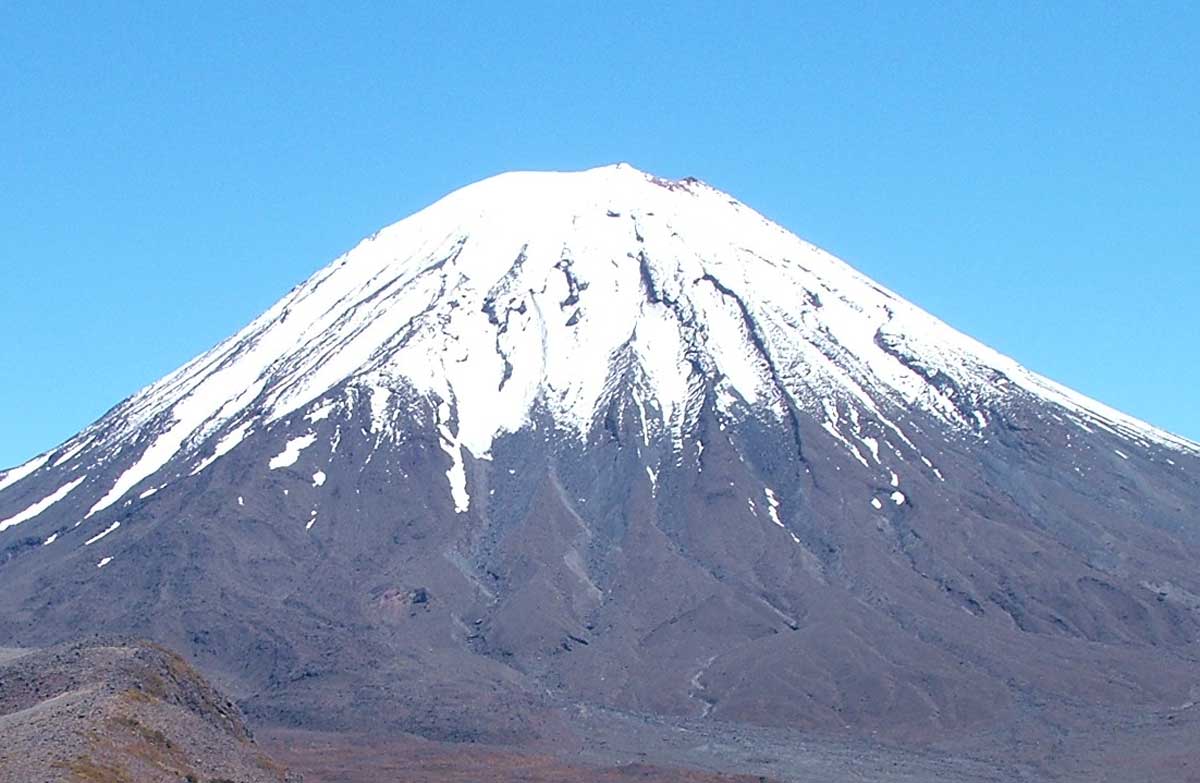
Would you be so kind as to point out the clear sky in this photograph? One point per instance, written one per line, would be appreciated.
(1030, 174)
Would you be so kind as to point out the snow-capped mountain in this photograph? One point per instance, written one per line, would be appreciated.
(559, 291)
(600, 437)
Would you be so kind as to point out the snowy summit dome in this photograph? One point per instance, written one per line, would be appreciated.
(556, 291)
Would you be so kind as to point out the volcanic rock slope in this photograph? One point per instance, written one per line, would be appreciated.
(110, 710)
(610, 440)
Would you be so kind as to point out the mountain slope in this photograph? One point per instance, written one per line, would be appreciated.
(111, 710)
(600, 440)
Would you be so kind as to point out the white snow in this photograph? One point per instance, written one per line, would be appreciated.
(225, 445)
(653, 479)
(102, 534)
(875, 502)
(773, 506)
(873, 445)
(830, 425)
(456, 474)
(205, 403)
(291, 452)
(72, 452)
(379, 399)
(21, 471)
(53, 537)
(1118, 452)
(318, 478)
(41, 505)
(104, 561)
(319, 413)
(240, 501)
(898, 498)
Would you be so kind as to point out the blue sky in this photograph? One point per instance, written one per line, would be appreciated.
(1029, 174)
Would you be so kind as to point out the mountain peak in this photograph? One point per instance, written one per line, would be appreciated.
(559, 192)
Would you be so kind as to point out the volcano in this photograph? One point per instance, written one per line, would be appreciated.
(613, 463)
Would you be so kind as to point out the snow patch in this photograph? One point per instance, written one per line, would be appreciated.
(320, 413)
(41, 505)
(830, 425)
(204, 404)
(102, 534)
(456, 474)
(104, 561)
(873, 445)
(379, 399)
(773, 506)
(71, 453)
(291, 452)
(318, 478)
(225, 445)
(21, 471)
(653, 479)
